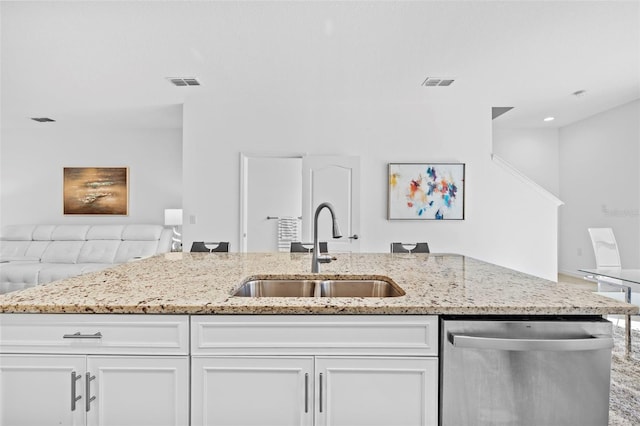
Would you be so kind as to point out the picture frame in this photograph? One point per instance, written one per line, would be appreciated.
(426, 191)
(96, 191)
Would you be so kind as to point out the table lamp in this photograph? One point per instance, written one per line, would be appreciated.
(173, 217)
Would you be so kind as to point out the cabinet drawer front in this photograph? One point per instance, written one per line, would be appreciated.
(94, 334)
(306, 334)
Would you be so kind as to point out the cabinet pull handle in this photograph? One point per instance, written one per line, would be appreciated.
(321, 392)
(77, 335)
(306, 392)
(89, 378)
(74, 378)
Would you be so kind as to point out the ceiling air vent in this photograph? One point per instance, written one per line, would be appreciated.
(43, 119)
(180, 81)
(434, 81)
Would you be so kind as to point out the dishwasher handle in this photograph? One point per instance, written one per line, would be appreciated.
(592, 343)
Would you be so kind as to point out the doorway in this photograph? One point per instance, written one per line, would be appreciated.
(271, 190)
(292, 186)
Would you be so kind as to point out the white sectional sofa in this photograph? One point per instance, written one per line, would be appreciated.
(31, 255)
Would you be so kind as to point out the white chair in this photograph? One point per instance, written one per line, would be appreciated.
(607, 255)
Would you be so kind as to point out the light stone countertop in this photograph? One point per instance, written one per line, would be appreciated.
(202, 283)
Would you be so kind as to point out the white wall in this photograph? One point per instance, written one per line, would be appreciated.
(600, 185)
(32, 159)
(507, 222)
(534, 152)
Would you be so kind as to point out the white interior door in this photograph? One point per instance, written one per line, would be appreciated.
(272, 188)
(333, 179)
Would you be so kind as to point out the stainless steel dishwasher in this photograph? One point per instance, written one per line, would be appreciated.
(549, 372)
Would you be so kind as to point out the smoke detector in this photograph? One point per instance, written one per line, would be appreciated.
(184, 81)
(43, 119)
(435, 81)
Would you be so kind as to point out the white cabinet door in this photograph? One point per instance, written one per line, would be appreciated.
(376, 391)
(252, 391)
(39, 390)
(138, 391)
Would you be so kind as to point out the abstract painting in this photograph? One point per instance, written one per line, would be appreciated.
(96, 190)
(426, 191)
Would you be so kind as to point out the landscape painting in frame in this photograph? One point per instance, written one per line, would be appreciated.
(426, 191)
(96, 190)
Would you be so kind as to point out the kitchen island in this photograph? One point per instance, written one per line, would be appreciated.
(204, 356)
(202, 283)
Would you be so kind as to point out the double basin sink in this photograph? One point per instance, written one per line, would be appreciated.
(334, 287)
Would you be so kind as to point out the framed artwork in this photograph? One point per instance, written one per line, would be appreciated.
(426, 191)
(96, 190)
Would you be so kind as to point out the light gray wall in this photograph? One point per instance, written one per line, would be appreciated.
(506, 222)
(600, 185)
(534, 152)
(32, 159)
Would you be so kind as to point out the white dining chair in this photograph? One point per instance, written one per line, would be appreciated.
(607, 255)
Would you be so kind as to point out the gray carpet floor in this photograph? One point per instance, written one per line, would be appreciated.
(624, 403)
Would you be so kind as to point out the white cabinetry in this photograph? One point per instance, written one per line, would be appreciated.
(258, 391)
(314, 370)
(37, 390)
(370, 391)
(115, 370)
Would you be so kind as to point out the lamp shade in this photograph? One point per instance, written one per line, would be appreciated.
(173, 217)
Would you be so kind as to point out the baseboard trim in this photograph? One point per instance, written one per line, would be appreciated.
(571, 273)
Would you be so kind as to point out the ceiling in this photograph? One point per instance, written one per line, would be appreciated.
(105, 63)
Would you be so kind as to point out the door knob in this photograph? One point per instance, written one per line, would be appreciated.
(354, 237)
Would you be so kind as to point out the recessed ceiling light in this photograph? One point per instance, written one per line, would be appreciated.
(184, 81)
(549, 118)
(43, 119)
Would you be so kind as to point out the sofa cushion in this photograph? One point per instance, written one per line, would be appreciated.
(70, 233)
(22, 250)
(36, 249)
(98, 251)
(131, 250)
(20, 272)
(13, 248)
(105, 232)
(62, 252)
(17, 232)
(43, 232)
(142, 232)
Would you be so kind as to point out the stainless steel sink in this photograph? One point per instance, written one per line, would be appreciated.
(359, 288)
(339, 287)
(277, 288)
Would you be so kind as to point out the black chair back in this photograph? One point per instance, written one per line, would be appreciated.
(402, 248)
(298, 247)
(200, 246)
